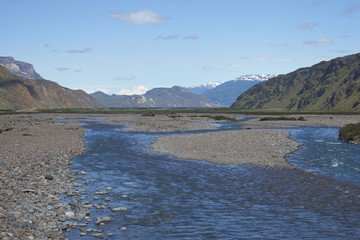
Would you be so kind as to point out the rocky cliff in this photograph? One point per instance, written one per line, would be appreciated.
(22, 69)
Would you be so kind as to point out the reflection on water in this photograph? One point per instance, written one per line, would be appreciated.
(168, 198)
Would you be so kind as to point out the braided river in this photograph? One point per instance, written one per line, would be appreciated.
(161, 197)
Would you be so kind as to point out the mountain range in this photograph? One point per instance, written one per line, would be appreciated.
(227, 92)
(328, 85)
(211, 94)
(18, 93)
(158, 97)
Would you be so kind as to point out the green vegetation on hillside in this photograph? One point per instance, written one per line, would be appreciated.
(350, 133)
(327, 86)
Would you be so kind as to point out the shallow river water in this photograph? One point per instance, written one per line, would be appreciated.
(169, 198)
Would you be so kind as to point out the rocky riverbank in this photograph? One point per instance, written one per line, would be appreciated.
(35, 156)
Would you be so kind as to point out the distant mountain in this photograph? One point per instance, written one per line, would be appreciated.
(157, 97)
(22, 69)
(199, 89)
(17, 93)
(330, 85)
(227, 92)
(122, 101)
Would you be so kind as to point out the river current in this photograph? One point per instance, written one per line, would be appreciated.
(162, 197)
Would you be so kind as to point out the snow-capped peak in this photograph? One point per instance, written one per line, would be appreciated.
(208, 85)
(255, 77)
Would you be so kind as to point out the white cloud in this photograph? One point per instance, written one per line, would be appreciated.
(62, 69)
(85, 50)
(234, 65)
(307, 26)
(191, 37)
(284, 59)
(145, 16)
(255, 57)
(138, 90)
(170, 37)
(343, 51)
(108, 92)
(125, 78)
(177, 37)
(320, 42)
(208, 68)
(351, 10)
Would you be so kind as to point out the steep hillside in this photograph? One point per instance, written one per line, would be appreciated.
(157, 97)
(331, 85)
(27, 94)
(21, 69)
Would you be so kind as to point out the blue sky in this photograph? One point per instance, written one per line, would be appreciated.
(128, 46)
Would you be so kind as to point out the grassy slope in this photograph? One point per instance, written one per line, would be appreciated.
(332, 85)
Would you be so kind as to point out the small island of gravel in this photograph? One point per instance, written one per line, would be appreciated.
(263, 147)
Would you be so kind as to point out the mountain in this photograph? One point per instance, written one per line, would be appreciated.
(227, 92)
(330, 85)
(19, 93)
(199, 89)
(22, 69)
(157, 97)
(122, 101)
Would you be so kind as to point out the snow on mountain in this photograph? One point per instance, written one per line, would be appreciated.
(199, 89)
(208, 85)
(256, 77)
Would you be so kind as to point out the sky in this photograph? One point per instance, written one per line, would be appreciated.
(130, 46)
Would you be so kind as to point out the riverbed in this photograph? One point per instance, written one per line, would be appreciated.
(157, 196)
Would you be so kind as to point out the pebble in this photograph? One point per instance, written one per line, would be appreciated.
(98, 235)
(69, 214)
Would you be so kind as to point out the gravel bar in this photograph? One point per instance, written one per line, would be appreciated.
(263, 147)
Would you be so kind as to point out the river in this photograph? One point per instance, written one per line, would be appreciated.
(162, 197)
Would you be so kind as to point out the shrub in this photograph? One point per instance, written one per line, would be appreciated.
(350, 132)
(218, 118)
(301, 119)
(277, 119)
(148, 114)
